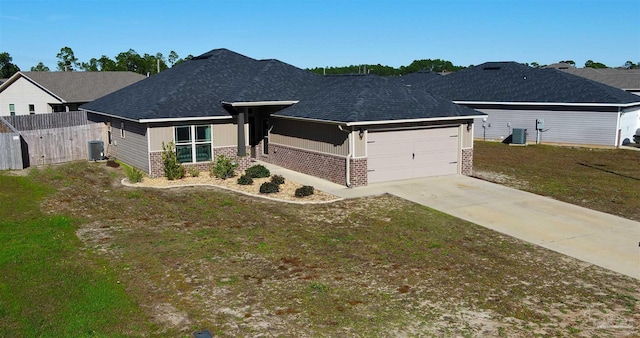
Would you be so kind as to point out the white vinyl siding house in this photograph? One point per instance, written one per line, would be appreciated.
(21, 95)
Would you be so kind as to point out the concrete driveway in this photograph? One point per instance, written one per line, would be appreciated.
(605, 240)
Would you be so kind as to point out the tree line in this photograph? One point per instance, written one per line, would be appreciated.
(148, 64)
(125, 61)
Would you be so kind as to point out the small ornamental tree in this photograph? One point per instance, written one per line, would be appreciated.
(173, 169)
(223, 167)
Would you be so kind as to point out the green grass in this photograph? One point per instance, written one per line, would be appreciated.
(606, 180)
(48, 286)
(239, 266)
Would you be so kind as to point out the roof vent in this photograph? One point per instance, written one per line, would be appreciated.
(491, 68)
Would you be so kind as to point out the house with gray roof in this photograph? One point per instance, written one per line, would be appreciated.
(48, 92)
(625, 79)
(552, 105)
(351, 130)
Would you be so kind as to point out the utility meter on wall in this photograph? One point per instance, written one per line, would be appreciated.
(539, 123)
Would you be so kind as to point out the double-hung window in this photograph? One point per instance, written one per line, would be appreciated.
(12, 109)
(193, 143)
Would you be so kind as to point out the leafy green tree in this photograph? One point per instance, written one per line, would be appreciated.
(173, 58)
(436, 65)
(129, 61)
(68, 61)
(631, 65)
(187, 58)
(592, 64)
(106, 64)
(92, 66)
(40, 67)
(6, 67)
(535, 65)
(571, 62)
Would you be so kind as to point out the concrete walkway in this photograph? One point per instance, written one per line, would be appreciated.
(605, 240)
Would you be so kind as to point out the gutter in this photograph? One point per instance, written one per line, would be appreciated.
(562, 104)
(349, 155)
(259, 103)
(371, 123)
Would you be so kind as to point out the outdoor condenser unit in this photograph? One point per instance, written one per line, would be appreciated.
(519, 136)
(96, 150)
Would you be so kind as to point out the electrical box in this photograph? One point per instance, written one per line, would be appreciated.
(540, 124)
(519, 136)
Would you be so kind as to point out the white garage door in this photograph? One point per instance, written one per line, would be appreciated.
(398, 155)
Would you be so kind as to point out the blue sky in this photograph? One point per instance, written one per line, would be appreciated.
(310, 33)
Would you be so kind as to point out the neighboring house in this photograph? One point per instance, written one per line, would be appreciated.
(554, 106)
(48, 92)
(351, 130)
(625, 79)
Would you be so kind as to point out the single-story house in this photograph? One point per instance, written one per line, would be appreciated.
(351, 130)
(552, 105)
(625, 79)
(27, 93)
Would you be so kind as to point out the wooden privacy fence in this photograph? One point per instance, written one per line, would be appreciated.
(11, 148)
(52, 138)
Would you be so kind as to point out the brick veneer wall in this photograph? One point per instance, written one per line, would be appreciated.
(467, 162)
(328, 167)
(157, 167)
(359, 173)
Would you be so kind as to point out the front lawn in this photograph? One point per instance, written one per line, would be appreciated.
(606, 180)
(100, 259)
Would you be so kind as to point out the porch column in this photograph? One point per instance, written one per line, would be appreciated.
(242, 146)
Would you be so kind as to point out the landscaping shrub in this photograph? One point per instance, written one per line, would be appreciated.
(257, 171)
(173, 169)
(269, 187)
(305, 190)
(277, 179)
(223, 167)
(134, 174)
(245, 180)
(194, 171)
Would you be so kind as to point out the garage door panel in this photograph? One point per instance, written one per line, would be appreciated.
(396, 155)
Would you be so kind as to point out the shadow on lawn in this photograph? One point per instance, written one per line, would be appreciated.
(598, 167)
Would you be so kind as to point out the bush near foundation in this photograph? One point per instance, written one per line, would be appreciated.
(305, 190)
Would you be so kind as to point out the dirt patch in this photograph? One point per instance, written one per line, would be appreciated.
(499, 178)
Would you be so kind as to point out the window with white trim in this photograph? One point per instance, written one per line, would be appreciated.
(122, 129)
(32, 109)
(193, 142)
(12, 109)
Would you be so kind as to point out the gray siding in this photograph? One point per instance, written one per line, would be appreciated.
(133, 148)
(565, 127)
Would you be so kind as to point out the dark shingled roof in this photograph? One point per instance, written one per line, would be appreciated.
(365, 98)
(416, 78)
(197, 88)
(514, 82)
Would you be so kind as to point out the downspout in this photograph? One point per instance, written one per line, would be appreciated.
(618, 134)
(348, 155)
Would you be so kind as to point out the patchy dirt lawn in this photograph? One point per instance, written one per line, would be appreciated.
(204, 258)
